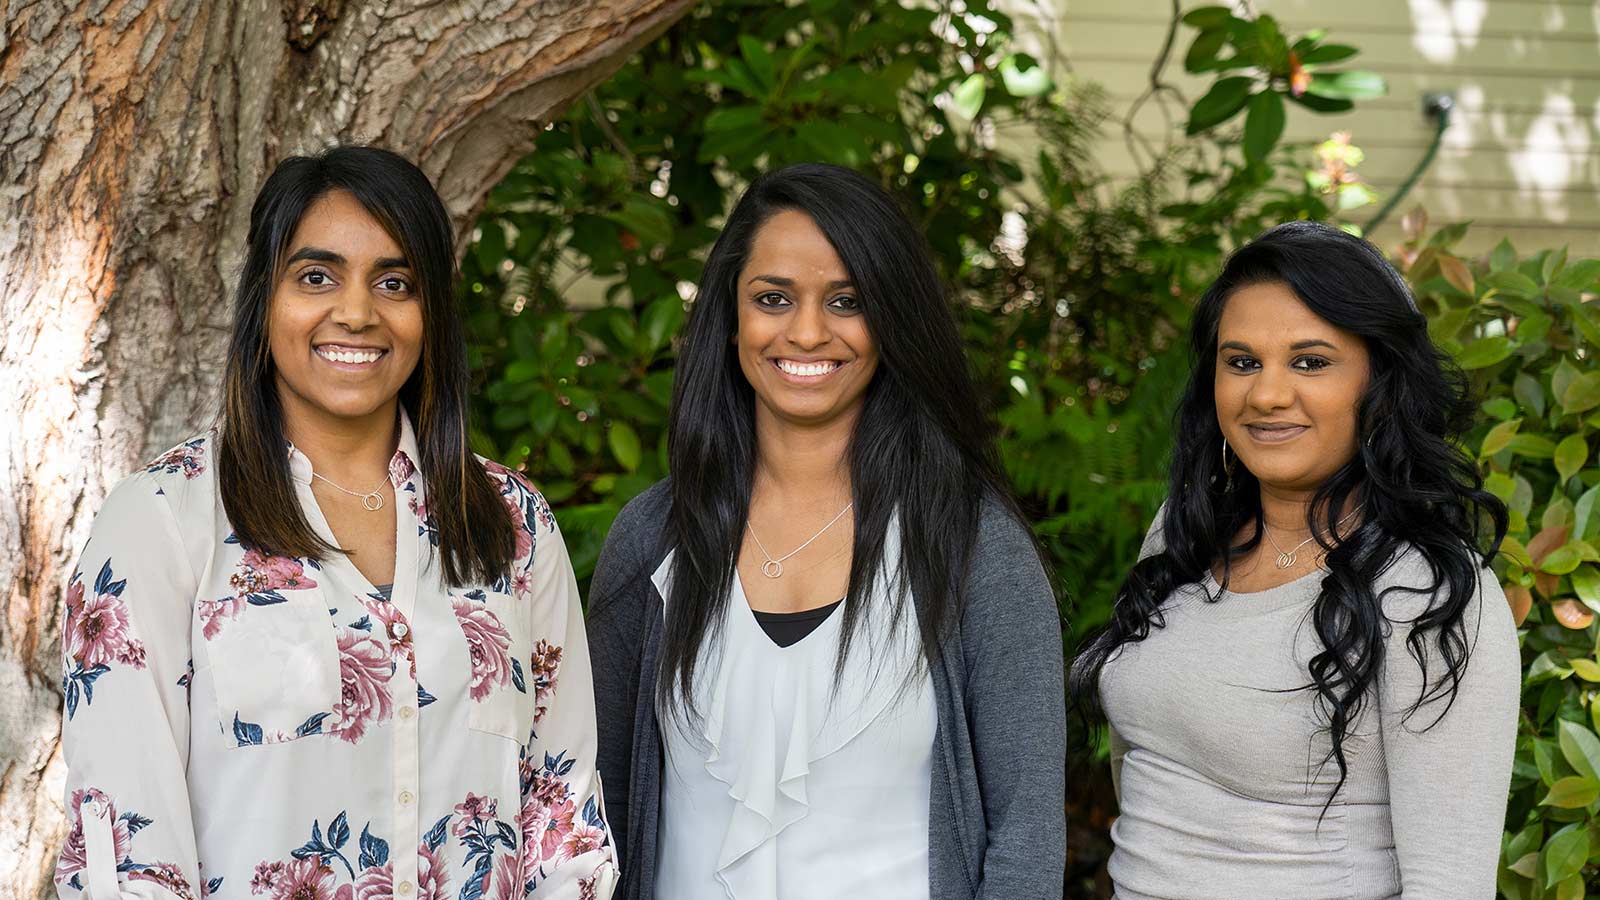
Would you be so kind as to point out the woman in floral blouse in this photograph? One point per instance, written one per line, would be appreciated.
(324, 652)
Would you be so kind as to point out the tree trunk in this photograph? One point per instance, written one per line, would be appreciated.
(134, 135)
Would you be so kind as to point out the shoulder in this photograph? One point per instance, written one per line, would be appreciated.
(642, 520)
(182, 467)
(1414, 582)
(139, 516)
(529, 510)
(633, 549)
(1007, 585)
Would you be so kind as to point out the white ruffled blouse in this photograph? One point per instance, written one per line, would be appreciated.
(243, 726)
(787, 788)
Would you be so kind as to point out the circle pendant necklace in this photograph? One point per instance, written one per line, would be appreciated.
(773, 568)
(371, 501)
(1287, 558)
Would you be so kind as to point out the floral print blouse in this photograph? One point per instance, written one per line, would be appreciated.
(240, 725)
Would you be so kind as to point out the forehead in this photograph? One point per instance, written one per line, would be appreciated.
(791, 245)
(1271, 313)
(337, 221)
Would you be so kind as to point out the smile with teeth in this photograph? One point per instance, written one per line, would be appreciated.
(349, 355)
(806, 369)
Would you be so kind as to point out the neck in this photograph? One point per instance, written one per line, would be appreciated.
(803, 463)
(1284, 510)
(353, 452)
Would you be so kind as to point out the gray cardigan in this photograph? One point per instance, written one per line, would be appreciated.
(997, 822)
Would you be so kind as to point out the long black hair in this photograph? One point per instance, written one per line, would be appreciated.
(252, 468)
(1419, 488)
(923, 445)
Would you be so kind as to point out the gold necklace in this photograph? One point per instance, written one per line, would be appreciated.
(773, 568)
(1287, 558)
(372, 500)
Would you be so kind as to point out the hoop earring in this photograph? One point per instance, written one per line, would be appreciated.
(1228, 466)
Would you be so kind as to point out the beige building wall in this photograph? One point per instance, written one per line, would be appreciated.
(1521, 156)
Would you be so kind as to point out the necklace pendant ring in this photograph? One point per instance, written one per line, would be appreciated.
(772, 569)
(1285, 560)
(372, 502)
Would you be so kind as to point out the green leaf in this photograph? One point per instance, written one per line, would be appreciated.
(1572, 793)
(1511, 282)
(1587, 669)
(1570, 889)
(1323, 104)
(1580, 746)
(1503, 257)
(1571, 454)
(1485, 352)
(1562, 560)
(758, 58)
(1203, 52)
(1327, 53)
(1529, 393)
(1207, 16)
(733, 118)
(1565, 853)
(1578, 276)
(1499, 438)
(661, 320)
(645, 220)
(969, 96)
(624, 443)
(1225, 98)
(1546, 667)
(1582, 394)
(1263, 125)
(1586, 319)
(1355, 84)
(1021, 80)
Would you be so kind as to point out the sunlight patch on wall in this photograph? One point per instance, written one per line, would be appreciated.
(1443, 28)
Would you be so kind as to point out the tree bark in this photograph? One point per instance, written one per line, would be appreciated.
(134, 135)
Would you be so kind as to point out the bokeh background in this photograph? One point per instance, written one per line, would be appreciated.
(1081, 167)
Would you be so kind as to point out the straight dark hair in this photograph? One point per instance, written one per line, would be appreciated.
(1418, 489)
(476, 541)
(923, 445)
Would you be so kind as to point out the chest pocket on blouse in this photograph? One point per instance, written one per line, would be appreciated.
(273, 655)
(499, 649)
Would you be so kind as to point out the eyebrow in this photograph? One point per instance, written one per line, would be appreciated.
(317, 254)
(781, 281)
(1297, 345)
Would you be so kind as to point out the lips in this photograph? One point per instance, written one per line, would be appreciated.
(1275, 432)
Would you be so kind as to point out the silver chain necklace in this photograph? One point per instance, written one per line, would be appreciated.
(1286, 558)
(372, 500)
(773, 568)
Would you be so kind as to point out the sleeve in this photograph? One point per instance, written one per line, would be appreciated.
(1450, 769)
(1119, 749)
(1017, 709)
(616, 649)
(563, 802)
(125, 728)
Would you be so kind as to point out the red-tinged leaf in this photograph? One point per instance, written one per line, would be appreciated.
(1521, 600)
(1546, 584)
(1414, 223)
(1456, 272)
(1572, 614)
(1545, 541)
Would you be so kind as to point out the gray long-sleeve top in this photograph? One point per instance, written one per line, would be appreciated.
(1223, 771)
(997, 822)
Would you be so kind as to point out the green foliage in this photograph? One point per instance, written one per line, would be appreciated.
(1527, 329)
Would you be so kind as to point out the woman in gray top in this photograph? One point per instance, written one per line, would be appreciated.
(1312, 676)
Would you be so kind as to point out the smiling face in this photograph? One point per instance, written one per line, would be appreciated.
(1288, 386)
(802, 340)
(345, 324)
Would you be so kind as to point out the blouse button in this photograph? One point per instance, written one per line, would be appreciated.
(405, 887)
(399, 629)
(406, 797)
(407, 712)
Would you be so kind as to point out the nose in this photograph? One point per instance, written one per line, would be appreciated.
(808, 326)
(1271, 389)
(353, 307)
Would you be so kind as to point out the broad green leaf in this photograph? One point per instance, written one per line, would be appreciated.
(1571, 454)
(1578, 276)
(645, 220)
(1207, 16)
(1485, 352)
(1516, 552)
(1203, 52)
(1529, 393)
(1499, 437)
(1512, 282)
(1587, 669)
(1583, 511)
(1503, 257)
(1562, 560)
(969, 96)
(1562, 378)
(1020, 81)
(1565, 853)
(1572, 793)
(624, 442)
(1582, 394)
(1323, 104)
(759, 59)
(1225, 98)
(1527, 865)
(1327, 53)
(661, 321)
(1356, 84)
(1263, 124)
(1571, 889)
(1586, 319)
(1533, 446)
(1447, 323)
(1579, 745)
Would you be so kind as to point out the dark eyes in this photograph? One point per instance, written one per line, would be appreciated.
(1242, 363)
(320, 278)
(844, 303)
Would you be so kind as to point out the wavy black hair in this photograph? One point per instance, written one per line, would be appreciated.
(1418, 487)
(923, 444)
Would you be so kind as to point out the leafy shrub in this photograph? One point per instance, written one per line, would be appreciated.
(1528, 330)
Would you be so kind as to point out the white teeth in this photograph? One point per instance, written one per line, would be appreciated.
(805, 370)
(349, 356)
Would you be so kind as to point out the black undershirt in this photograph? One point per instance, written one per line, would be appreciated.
(788, 629)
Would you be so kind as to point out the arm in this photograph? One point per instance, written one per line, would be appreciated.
(125, 731)
(1448, 783)
(572, 854)
(1016, 706)
(1119, 749)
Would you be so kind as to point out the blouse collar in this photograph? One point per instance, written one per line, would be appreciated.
(402, 465)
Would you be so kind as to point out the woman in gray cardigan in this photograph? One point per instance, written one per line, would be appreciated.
(827, 657)
(1312, 675)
